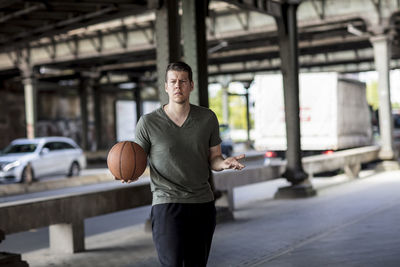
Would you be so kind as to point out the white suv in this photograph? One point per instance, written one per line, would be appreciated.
(46, 156)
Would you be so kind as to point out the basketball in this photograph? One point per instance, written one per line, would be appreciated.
(126, 160)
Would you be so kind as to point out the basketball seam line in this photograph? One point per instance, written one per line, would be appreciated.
(120, 161)
(134, 153)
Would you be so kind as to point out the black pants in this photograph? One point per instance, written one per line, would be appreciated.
(182, 233)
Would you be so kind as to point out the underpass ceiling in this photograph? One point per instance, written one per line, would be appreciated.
(24, 21)
(239, 41)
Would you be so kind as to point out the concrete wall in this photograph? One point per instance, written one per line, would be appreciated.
(12, 111)
(58, 112)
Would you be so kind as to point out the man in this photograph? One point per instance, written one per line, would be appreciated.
(182, 142)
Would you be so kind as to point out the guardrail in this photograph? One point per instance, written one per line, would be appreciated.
(65, 214)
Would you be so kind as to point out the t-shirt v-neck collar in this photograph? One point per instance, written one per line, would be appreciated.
(173, 123)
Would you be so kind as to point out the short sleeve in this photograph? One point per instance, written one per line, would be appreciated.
(142, 136)
(215, 139)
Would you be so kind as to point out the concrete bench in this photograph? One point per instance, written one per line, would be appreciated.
(349, 160)
(65, 214)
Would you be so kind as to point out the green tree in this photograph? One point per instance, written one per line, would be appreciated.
(237, 112)
(216, 105)
(372, 95)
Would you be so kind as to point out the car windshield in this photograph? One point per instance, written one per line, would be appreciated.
(20, 148)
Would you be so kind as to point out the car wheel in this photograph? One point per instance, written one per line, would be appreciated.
(74, 170)
(25, 173)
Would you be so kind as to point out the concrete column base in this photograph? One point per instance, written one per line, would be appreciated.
(388, 165)
(224, 205)
(67, 238)
(295, 191)
(12, 260)
(147, 226)
(226, 199)
(352, 171)
(224, 214)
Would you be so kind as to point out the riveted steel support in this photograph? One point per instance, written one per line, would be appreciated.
(195, 47)
(90, 111)
(97, 98)
(288, 42)
(167, 40)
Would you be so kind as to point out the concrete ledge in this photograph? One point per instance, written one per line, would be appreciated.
(15, 189)
(349, 160)
(228, 179)
(340, 159)
(24, 215)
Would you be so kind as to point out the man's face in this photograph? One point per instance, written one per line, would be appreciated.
(178, 86)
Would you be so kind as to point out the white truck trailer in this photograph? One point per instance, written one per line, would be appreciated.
(334, 113)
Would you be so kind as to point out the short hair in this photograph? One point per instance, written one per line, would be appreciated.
(179, 66)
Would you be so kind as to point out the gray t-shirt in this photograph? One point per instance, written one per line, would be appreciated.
(178, 156)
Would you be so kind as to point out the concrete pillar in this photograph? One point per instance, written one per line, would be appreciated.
(67, 238)
(167, 28)
(97, 115)
(382, 54)
(90, 109)
(30, 93)
(195, 47)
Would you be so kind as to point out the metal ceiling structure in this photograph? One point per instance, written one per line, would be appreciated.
(29, 20)
(242, 38)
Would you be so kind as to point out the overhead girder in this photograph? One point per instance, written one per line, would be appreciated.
(56, 17)
(246, 35)
(146, 41)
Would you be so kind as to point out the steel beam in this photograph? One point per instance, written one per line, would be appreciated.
(287, 32)
(168, 49)
(195, 47)
(265, 6)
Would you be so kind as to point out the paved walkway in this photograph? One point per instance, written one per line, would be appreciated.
(349, 224)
